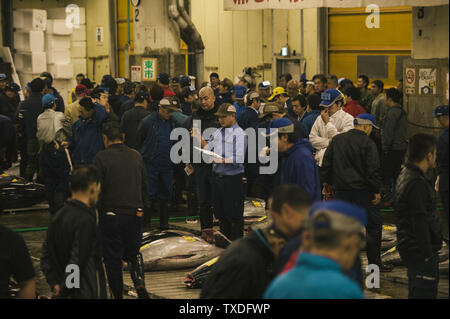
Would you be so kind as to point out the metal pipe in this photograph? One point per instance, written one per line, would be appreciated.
(112, 39)
(302, 30)
(127, 46)
(263, 60)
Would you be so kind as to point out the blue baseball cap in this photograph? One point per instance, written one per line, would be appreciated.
(3, 77)
(337, 215)
(283, 125)
(48, 100)
(366, 119)
(441, 110)
(164, 78)
(239, 92)
(329, 97)
(264, 85)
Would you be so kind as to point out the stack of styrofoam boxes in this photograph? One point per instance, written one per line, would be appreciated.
(58, 56)
(30, 59)
(77, 44)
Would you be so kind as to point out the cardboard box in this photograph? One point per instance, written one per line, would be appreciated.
(29, 41)
(33, 62)
(30, 19)
(58, 27)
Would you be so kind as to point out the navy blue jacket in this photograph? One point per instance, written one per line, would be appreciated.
(309, 120)
(224, 98)
(299, 167)
(147, 136)
(32, 109)
(248, 118)
(299, 129)
(442, 154)
(87, 139)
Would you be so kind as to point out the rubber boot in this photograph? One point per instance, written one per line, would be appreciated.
(115, 281)
(136, 265)
(237, 230)
(206, 218)
(225, 228)
(163, 214)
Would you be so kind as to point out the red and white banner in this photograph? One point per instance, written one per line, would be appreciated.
(231, 5)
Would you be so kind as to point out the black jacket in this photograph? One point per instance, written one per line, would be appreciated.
(8, 107)
(32, 108)
(123, 178)
(126, 106)
(243, 271)
(418, 221)
(73, 239)
(207, 119)
(351, 162)
(130, 122)
(393, 134)
(60, 106)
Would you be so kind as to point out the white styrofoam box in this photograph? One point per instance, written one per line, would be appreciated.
(79, 65)
(27, 77)
(58, 57)
(31, 41)
(79, 34)
(30, 19)
(61, 71)
(78, 49)
(60, 13)
(57, 42)
(58, 27)
(31, 62)
(64, 87)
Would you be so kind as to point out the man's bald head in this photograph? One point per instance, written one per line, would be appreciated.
(207, 98)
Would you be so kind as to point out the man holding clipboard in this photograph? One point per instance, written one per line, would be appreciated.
(226, 149)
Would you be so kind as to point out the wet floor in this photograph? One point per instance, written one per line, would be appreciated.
(392, 285)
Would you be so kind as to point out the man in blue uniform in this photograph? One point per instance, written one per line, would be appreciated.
(153, 138)
(298, 165)
(229, 143)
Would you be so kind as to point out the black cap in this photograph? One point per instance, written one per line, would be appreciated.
(141, 96)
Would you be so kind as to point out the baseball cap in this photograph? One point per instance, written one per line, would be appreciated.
(337, 215)
(225, 110)
(13, 87)
(169, 104)
(264, 85)
(366, 119)
(283, 125)
(309, 82)
(253, 95)
(329, 97)
(269, 108)
(164, 78)
(175, 80)
(3, 77)
(141, 95)
(87, 82)
(441, 110)
(81, 89)
(278, 91)
(185, 81)
(239, 92)
(48, 100)
(120, 80)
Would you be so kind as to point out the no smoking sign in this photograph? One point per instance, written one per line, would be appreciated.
(410, 76)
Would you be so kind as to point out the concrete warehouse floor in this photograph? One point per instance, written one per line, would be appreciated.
(168, 284)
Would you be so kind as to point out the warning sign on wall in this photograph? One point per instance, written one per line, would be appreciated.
(410, 81)
(427, 81)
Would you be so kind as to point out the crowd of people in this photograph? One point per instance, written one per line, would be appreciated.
(105, 160)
